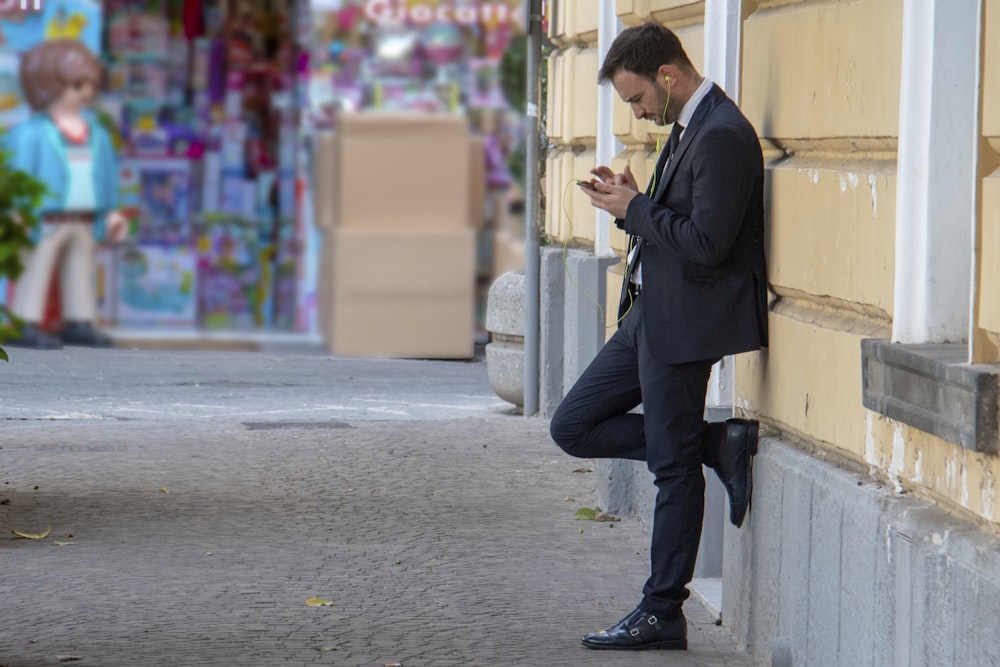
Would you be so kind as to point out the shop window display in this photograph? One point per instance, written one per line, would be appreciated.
(212, 105)
(198, 96)
(404, 54)
(210, 85)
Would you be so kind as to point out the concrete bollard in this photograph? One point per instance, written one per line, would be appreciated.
(505, 323)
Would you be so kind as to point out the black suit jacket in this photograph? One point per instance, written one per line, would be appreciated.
(704, 276)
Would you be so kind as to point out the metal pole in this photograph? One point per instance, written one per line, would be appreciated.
(531, 213)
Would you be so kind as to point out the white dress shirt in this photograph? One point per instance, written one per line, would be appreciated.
(687, 113)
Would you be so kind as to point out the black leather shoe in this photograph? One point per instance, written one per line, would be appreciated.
(734, 465)
(33, 337)
(84, 333)
(639, 631)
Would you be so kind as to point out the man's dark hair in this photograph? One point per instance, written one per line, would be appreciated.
(641, 50)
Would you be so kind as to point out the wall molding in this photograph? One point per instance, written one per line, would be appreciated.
(932, 387)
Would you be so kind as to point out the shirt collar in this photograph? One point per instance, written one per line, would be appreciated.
(687, 113)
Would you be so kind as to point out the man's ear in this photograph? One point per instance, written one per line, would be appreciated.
(665, 74)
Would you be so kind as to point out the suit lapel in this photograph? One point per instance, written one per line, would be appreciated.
(633, 239)
(707, 105)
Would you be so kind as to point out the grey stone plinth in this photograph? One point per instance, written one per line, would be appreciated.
(551, 329)
(834, 569)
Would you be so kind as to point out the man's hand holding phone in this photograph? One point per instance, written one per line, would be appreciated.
(616, 193)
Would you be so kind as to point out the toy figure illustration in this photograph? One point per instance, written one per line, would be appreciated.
(64, 146)
(10, 98)
(65, 25)
(164, 202)
(171, 292)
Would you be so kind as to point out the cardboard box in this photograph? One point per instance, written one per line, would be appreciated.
(431, 327)
(398, 294)
(412, 263)
(324, 185)
(401, 171)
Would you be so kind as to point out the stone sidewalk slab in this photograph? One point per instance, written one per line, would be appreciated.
(437, 542)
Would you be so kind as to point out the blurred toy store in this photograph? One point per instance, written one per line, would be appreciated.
(344, 169)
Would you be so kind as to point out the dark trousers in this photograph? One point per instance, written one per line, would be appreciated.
(593, 421)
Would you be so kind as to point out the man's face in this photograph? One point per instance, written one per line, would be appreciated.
(648, 100)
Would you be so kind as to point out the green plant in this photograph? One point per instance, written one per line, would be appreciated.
(20, 194)
(514, 82)
(514, 72)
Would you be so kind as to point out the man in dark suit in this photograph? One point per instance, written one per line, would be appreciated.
(695, 290)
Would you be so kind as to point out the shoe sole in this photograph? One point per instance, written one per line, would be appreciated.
(666, 645)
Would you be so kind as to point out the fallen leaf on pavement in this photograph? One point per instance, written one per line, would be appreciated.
(63, 544)
(68, 658)
(583, 470)
(318, 602)
(164, 489)
(34, 536)
(595, 514)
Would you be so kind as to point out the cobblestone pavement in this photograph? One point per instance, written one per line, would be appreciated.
(198, 541)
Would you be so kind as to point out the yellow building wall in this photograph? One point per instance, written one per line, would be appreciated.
(987, 347)
(821, 85)
(571, 123)
(820, 82)
(824, 76)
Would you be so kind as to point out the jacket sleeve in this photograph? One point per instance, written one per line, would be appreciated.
(723, 165)
(17, 143)
(20, 145)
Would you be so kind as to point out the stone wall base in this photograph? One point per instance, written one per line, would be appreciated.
(832, 568)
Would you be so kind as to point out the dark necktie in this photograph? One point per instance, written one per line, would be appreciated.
(675, 139)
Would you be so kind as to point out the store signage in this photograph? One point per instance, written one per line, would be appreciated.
(399, 12)
(7, 6)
